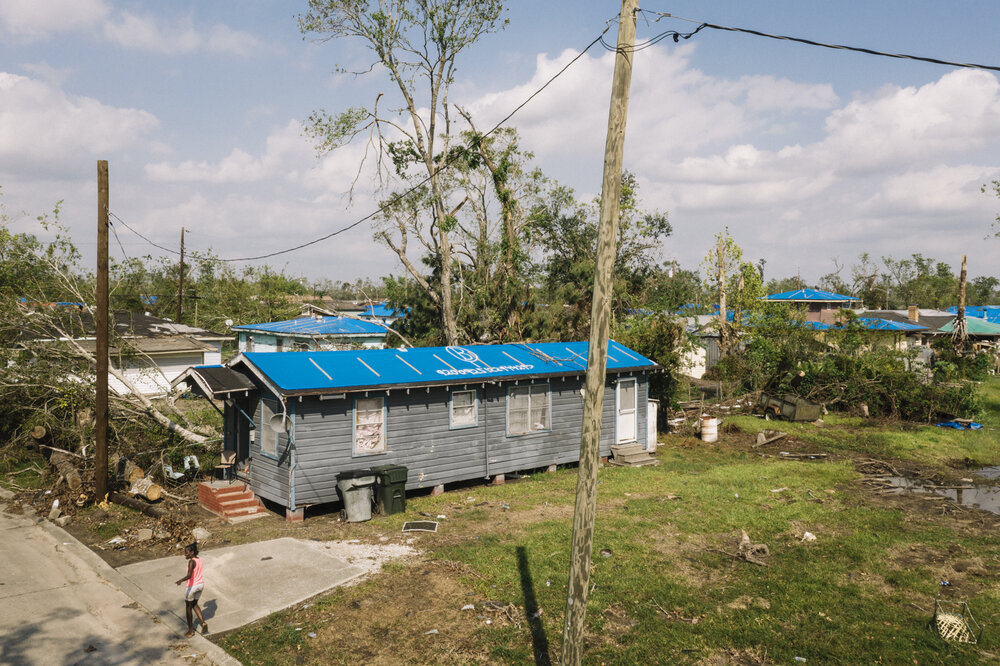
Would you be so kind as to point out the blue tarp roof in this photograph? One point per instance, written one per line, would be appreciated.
(317, 326)
(988, 312)
(877, 324)
(319, 371)
(380, 310)
(810, 295)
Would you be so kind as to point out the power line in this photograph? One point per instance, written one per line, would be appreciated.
(801, 40)
(448, 162)
(156, 245)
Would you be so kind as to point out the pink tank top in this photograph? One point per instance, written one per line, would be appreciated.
(196, 578)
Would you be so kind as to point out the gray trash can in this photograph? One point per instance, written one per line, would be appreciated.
(356, 490)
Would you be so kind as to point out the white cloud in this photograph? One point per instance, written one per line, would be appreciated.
(37, 19)
(154, 34)
(43, 130)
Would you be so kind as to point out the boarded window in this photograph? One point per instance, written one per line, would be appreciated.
(268, 437)
(528, 409)
(369, 426)
(463, 409)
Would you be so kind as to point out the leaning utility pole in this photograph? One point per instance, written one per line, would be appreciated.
(101, 322)
(180, 282)
(960, 334)
(597, 353)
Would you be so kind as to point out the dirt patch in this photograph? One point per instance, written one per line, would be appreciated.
(746, 602)
(736, 657)
(418, 609)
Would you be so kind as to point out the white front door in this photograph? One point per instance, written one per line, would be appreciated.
(626, 411)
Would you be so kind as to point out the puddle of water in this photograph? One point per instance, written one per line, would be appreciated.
(989, 472)
(986, 498)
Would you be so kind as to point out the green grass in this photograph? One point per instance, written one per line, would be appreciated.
(672, 593)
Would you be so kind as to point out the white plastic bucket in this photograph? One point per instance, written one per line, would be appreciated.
(709, 429)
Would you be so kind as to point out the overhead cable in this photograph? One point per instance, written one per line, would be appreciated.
(810, 42)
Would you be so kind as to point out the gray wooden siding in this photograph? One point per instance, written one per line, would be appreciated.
(269, 476)
(418, 435)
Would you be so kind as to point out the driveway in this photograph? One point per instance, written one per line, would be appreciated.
(247, 582)
(61, 604)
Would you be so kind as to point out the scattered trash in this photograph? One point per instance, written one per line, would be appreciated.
(298, 628)
(946, 583)
(736, 495)
(469, 607)
(489, 621)
(420, 526)
(506, 506)
(264, 559)
(954, 622)
(537, 614)
(960, 424)
(768, 436)
(606, 552)
(116, 540)
(548, 583)
(801, 659)
(441, 516)
(431, 632)
(779, 490)
(311, 634)
(353, 541)
(808, 536)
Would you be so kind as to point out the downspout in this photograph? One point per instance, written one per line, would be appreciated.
(291, 457)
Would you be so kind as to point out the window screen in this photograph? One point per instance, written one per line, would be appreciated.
(463, 409)
(268, 437)
(527, 409)
(369, 426)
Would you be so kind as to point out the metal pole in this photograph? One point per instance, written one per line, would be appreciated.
(597, 354)
(180, 282)
(101, 322)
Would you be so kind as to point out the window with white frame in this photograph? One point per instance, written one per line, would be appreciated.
(464, 413)
(369, 426)
(268, 436)
(528, 409)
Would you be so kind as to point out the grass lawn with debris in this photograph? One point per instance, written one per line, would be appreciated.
(668, 586)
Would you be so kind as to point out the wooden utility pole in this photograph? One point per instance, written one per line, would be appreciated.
(597, 353)
(101, 322)
(180, 282)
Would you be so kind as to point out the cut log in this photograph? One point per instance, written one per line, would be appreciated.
(138, 505)
(63, 464)
(147, 488)
(38, 432)
(133, 472)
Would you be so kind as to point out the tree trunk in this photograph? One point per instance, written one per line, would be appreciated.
(147, 488)
(64, 465)
(724, 341)
(132, 503)
(133, 472)
(961, 332)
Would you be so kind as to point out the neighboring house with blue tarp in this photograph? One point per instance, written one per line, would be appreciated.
(314, 333)
(817, 305)
(446, 413)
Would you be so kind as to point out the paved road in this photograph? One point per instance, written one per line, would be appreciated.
(61, 604)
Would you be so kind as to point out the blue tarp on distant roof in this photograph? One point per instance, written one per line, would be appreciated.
(990, 313)
(317, 326)
(876, 324)
(810, 295)
(380, 310)
(319, 371)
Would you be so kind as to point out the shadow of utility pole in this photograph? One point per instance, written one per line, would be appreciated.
(539, 642)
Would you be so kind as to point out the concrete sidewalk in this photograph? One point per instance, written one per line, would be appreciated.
(245, 583)
(62, 604)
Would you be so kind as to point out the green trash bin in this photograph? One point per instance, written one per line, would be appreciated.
(390, 492)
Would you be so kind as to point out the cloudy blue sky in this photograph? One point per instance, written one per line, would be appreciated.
(808, 155)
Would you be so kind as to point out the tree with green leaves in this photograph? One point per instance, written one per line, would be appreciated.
(564, 232)
(417, 43)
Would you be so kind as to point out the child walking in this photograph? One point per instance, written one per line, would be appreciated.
(195, 584)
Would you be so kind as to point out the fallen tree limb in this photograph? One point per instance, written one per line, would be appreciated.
(67, 469)
(138, 505)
